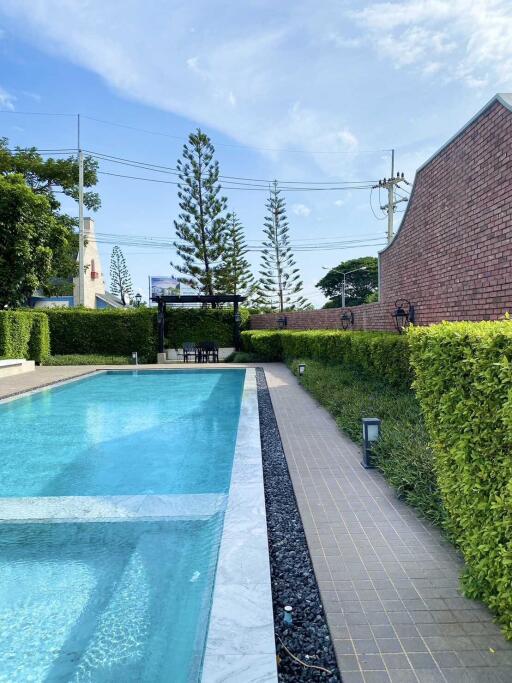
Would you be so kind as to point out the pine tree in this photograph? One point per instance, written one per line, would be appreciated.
(201, 224)
(236, 276)
(120, 280)
(280, 281)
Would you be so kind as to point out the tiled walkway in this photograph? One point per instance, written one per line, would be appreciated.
(389, 582)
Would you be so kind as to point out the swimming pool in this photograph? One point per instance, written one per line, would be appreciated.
(113, 494)
(123, 433)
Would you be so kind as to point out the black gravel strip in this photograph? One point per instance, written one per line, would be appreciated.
(293, 579)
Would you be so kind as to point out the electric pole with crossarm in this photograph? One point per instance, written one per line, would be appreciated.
(390, 184)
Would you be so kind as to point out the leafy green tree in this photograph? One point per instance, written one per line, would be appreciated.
(201, 224)
(45, 178)
(120, 279)
(280, 283)
(28, 227)
(236, 276)
(361, 285)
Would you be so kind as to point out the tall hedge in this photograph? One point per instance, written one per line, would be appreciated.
(24, 334)
(464, 384)
(113, 332)
(383, 354)
(200, 324)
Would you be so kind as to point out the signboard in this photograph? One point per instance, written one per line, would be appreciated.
(164, 285)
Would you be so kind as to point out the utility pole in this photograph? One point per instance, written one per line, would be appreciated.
(81, 236)
(390, 184)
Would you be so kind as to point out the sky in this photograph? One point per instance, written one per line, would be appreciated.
(291, 90)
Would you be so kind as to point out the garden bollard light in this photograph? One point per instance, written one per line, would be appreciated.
(371, 433)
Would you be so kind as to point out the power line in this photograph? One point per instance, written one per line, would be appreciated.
(174, 171)
(180, 138)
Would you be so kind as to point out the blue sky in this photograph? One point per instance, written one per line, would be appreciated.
(335, 81)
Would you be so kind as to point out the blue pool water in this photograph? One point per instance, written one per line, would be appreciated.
(116, 601)
(119, 602)
(123, 433)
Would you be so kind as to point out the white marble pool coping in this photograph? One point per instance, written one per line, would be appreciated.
(240, 645)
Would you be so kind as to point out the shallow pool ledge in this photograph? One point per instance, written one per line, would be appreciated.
(240, 645)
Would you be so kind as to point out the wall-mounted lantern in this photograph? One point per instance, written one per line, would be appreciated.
(282, 322)
(403, 314)
(371, 433)
(302, 369)
(347, 319)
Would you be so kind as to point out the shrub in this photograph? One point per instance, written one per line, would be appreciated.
(24, 334)
(200, 324)
(464, 385)
(383, 354)
(111, 332)
(403, 452)
(89, 360)
(39, 343)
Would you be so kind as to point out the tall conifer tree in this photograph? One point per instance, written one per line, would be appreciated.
(120, 279)
(280, 282)
(236, 276)
(201, 224)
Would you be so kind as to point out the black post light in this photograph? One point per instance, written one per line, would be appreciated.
(302, 369)
(138, 299)
(371, 433)
(282, 322)
(403, 314)
(347, 319)
(238, 320)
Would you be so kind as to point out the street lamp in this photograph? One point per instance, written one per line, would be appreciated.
(138, 299)
(344, 285)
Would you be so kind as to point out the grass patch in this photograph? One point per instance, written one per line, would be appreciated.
(403, 453)
(242, 357)
(88, 359)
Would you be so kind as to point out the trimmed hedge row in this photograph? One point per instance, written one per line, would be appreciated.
(200, 324)
(24, 334)
(112, 332)
(118, 332)
(464, 385)
(380, 353)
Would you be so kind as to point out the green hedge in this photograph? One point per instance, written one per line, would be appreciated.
(200, 324)
(24, 334)
(113, 332)
(464, 384)
(383, 354)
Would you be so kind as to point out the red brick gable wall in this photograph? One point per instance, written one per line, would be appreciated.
(452, 256)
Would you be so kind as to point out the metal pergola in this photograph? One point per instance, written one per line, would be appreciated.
(162, 302)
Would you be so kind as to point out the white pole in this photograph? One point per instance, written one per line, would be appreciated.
(343, 291)
(391, 197)
(81, 236)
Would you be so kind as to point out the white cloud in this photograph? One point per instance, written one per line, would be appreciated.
(6, 100)
(339, 202)
(301, 209)
(468, 40)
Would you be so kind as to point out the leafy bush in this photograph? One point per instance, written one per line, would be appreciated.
(24, 334)
(39, 343)
(464, 385)
(384, 354)
(111, 332)
(403, 453)
(89, 360)
(200, 324)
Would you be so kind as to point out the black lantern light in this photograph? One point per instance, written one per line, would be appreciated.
(403, 314)
(302, 369)
(371, 433)
(282, 322)
(138, 299)
(347, 319)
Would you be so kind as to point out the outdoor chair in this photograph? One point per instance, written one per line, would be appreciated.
(189, 351)
(208, 351)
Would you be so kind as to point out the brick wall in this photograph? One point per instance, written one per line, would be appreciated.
(452, 256)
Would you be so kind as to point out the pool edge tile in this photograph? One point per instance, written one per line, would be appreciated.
(245, 524)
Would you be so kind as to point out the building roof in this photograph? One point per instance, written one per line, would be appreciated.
(110, 299)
